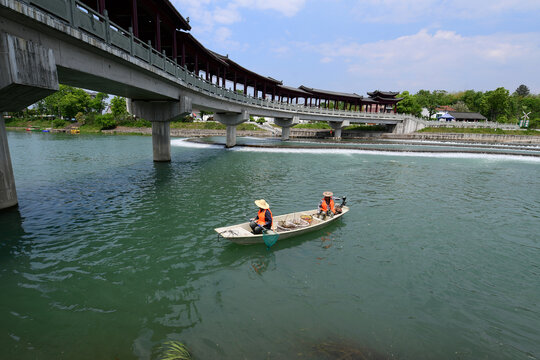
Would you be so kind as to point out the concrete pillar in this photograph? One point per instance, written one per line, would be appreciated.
(231, 121)
(337, 126)
(161, 113)
(161, 140)
(286, 125)
(8, 193)
(27, 74)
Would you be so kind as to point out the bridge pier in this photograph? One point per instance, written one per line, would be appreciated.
(286, 124)
(231, 121)
(27, 74)
(160, 114)
(337, 126)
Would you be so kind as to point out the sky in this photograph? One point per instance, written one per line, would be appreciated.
(365, 45)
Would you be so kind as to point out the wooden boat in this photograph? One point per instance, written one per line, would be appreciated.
(286, 226)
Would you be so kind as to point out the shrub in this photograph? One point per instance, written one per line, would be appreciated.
(105, 122)
(58, 123)
(261, 120)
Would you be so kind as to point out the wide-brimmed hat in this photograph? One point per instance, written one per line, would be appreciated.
(328, 194)
(262, 204)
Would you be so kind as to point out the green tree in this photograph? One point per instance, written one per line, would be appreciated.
(496, 104)
(460, 106)
(409, 105)
(432, 100)
(522, 90)
(473, 100)
(74, 101)
(118, 106)
(97, 104)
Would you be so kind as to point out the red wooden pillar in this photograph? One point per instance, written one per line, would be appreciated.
(234, 86)
(224, 77)
(217, 77)
(183, 54)
(207, 71)
(174, 48)
(255, 95)
(134, 18)
(274, 93)
(101, 7)
(245, 85)
(264, 91)
(197, 64)
(158, 33)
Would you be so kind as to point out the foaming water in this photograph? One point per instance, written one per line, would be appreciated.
(340, 151)
(110, 254)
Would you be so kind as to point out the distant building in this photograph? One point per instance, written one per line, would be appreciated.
(467, 116)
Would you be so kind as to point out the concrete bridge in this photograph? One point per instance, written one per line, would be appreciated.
(69, 43)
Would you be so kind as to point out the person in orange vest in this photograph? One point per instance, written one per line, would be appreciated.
(264, 218)
(326, 206)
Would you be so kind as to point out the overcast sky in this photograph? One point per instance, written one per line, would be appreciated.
(364, 45)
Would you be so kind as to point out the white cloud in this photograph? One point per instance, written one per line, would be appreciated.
(440, 60)
(406, 11)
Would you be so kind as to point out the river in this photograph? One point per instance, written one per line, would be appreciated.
(109, 255)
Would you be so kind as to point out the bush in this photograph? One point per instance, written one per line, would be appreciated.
(58, 123)
(105, 122)
(187, 119)
(261, 120)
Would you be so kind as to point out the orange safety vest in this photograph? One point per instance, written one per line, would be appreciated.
(261, 217)
(324, 205)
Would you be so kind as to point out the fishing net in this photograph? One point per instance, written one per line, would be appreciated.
(288, 225)
(270, 237)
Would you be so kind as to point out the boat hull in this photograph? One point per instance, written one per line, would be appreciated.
(241, 233)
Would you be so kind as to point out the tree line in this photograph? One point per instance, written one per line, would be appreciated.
(70, 103)
(496, 105)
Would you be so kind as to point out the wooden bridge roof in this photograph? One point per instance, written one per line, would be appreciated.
(333, 95)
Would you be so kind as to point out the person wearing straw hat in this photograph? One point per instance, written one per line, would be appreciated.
(264, 218)
(327, 206)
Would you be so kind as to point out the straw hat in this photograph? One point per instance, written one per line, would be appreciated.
(262, 204)
(328, 194)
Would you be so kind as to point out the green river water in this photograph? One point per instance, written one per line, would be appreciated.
(109, 255)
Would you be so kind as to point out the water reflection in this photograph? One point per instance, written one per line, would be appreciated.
(12, 233)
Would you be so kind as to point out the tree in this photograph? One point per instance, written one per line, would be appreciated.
(431, 100)
(496, 103)
(97, 104)
(522, 90)
(409, 105)
(460, 106)
(473, 100)
(74, 101)
(118, 106)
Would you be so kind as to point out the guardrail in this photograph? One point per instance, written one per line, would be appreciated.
(81, 17)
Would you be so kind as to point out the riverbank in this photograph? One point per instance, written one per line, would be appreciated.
(326, 134)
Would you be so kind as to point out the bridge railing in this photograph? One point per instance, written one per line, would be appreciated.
(82, 17)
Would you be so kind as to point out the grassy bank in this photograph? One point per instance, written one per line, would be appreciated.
(479, 131)
(96, 127)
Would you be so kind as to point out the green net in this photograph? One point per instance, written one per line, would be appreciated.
(270, 237)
